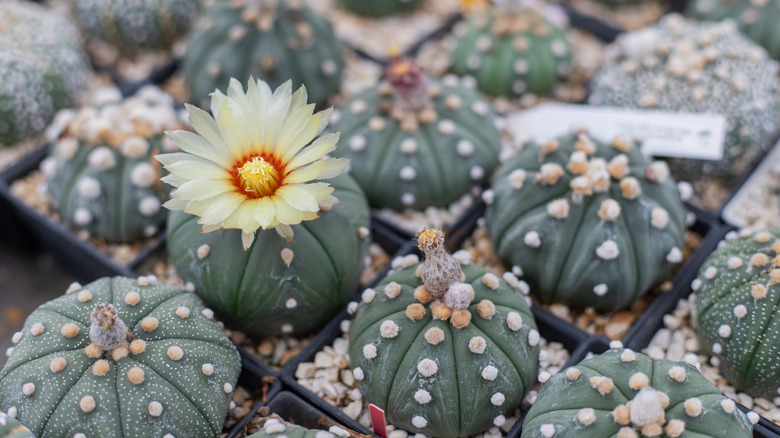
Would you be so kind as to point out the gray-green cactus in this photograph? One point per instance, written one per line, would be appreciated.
(512, 51)
(624, 394)
(415, 142)
(274, 426)
(380, 8)
(10, 428)
(736, 298)
(444, 361)
(589, 224)
(171, 374)
(274, 40)
(101, 172)
(42, 69)
(275, 287)
(684, 65)
(133, 25)
(756, 18)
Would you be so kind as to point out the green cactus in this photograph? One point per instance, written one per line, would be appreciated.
(42, 69)
(274, 426)
(736, 297)
(415, 142)
(101, 172)
(121, 357)
(623, 394)
(444, 358)
(512, 51)
(133, 25)
(544, 197)
(757, 19)
(380, 8)
(275, 288)
(274, 40)
(10, 428)
(684, 65)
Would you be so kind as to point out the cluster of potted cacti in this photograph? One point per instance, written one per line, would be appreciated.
(266, 206)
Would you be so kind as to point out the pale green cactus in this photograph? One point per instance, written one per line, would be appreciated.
(10, 428)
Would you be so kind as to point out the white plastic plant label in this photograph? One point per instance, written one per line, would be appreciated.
(662, 133)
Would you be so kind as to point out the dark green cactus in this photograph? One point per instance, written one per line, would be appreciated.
(756, 18)
(415, 142)
(101, 172)
(448, 363)
(684, 65)
(273, 287)
(624, 394)
(380, 8)
(121, 357)
(43, 69)
(10, 428)
(275, 41)
(274, 426)
(589, 224)
(513, 52)
(133, 25)
(736, 298)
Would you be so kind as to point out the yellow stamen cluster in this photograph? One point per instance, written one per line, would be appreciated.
(258, 177)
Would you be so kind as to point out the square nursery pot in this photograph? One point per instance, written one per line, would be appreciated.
(257, 380)
(80, 258)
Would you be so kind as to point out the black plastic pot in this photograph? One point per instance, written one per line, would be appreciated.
(254, 379)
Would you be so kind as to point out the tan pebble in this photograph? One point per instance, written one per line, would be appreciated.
(155, 409)
(422, 294)
(149, 323)
(621, 414)
(675, 428)
(100, 368)
(132, 298)
(175, 352)
(136, 375)
(434, 336)
(93, 351)
(415, 312)
(460, 318)
(441, 311)
(137, 346)
(638, 381)
(58, 364)
(119, 353)
(182, 312)
(486, 309)
(70, 330)
(693, 407)
(87, 404)
(36, 329)
(287, 256)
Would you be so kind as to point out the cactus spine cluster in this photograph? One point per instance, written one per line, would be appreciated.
(415, 142)
(274, 41)
(121, 357)
(445, 349)
(42, 69)
(101, 172)
(736, 298)
(624, 394)
(589, 224)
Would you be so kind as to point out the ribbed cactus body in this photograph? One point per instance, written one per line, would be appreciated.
(406, 159)
(756, 19)
(736, 298)
(621, 393)
(10, 428)
(689, 66)
(173, 377)
(275, 287)
(589, 224)
(42, 69)
(273, 427)
(131, 25)
(513, 53)
(380, 8)
(441, 371)
(101, 172)
(274, 41)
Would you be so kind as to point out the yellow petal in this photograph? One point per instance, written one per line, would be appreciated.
(324, 119)
(206, 126)
(246, 216)
(265, 212)
(198, 190)
(319, 190)
(306, 173)
(298, 198)
(299, 129)
(191, 170)
(221, 208)
(285, 231)
(285, 213)
(317, 150)
(247, 237)
(277, 111)
(334, 167)
(197, 145)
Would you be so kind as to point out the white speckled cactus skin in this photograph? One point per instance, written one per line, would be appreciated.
(737, 291)
(101, 172)
(276, 427)
(172, 379)
(10, 428)
(589, 224)
(624, 394)
(130, 24)
(42, 69)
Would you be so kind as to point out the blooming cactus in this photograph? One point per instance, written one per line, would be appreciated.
(624, 394)
(415, 142)
(445, 352)
(589, 224)
(121, 357)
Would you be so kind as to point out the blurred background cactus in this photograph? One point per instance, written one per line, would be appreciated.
(380, 8)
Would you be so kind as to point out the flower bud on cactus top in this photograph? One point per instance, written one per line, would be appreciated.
(446, 363)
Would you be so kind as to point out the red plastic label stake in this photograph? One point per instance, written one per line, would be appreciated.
(378, 422)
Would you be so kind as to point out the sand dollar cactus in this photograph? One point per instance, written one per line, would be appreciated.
(589, 224)
(512, 50)
(755, 18)
(42, 69)
(133, 25)
(274, 40)
(415, 142)
(380, 8)
(10, 428)
(101, 172)
(736, 295)
(682, 65)
(625, 394)
(121, 357)
(444, 359)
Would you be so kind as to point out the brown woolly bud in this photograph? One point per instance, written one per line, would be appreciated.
(622, 144)
(547, 146)
(434, 336)
(657, 172)
(652, 430)
(630, 187)
(618, 166)
(604, 385)
(585, 144)
(440, 311)
(440, 269)
(578, 162)
(422, 295)
(549, 174)
(621, 415)
(486, 309)
(675, 428)
(581, 185)
(107, 331)
(100, 368)
(93, 351)
(460, 318)
(415, 311)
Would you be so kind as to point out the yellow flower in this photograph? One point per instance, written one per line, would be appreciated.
(250, 166)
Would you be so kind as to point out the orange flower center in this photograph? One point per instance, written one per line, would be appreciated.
(258, 177)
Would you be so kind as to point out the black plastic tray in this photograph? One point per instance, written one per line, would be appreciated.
(251, 379)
